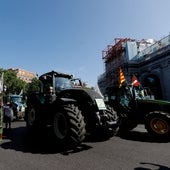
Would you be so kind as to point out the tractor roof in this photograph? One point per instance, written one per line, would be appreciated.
(56, 74)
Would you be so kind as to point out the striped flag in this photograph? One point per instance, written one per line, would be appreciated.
(121, 77)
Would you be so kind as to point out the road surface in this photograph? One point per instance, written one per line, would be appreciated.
(136, 151)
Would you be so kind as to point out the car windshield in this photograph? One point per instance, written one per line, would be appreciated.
(62, 83)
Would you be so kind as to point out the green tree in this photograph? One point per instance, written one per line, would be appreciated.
(13, 84)
(34, 85)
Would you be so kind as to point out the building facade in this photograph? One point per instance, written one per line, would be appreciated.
(24, 75)
(148, 59)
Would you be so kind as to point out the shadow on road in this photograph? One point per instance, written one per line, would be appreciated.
(152, 166)
(43, 142)
(141, 136)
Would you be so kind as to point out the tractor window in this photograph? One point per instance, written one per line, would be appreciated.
(125, 97)
(138, 92)
(62, 83)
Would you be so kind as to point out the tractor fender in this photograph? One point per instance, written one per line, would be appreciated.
(64, 100)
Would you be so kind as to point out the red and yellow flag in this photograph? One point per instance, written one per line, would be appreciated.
(121, 77)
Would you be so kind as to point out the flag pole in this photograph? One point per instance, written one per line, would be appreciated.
(1, 107)
(1, 117)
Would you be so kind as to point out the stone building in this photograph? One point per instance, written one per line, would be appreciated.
(24, 75)
(148, 59)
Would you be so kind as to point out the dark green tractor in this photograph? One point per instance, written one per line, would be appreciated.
(69, 109)
(135, 106)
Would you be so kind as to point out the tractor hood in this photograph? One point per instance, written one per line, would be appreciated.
(80, 94)
(154, 105)
(86, 98)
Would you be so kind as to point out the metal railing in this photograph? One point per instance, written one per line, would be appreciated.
(153, 48)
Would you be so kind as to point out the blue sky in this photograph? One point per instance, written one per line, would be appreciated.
(69, 35)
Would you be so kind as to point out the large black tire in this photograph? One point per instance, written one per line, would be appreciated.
(31, 118)
(158, 124)
(126, 124)
(112, 116)
(69, 126)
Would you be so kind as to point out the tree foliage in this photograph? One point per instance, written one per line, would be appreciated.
(13, 84)
(34, 85)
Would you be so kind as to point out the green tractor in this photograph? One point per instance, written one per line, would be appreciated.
(69, 109)
(134, 106)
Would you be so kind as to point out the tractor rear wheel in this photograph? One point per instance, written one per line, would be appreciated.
(126, 125)
(158, 124)
(69, 126)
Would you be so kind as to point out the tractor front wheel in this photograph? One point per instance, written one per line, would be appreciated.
(69, 126)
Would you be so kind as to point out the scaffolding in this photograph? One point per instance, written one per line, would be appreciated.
(114, 57)
(115, 50)
(126, 53)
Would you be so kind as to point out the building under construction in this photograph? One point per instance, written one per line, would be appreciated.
(137, 57)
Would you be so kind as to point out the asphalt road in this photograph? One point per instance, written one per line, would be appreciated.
(136, 151)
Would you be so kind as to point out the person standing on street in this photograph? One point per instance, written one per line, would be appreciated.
(8, 115)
